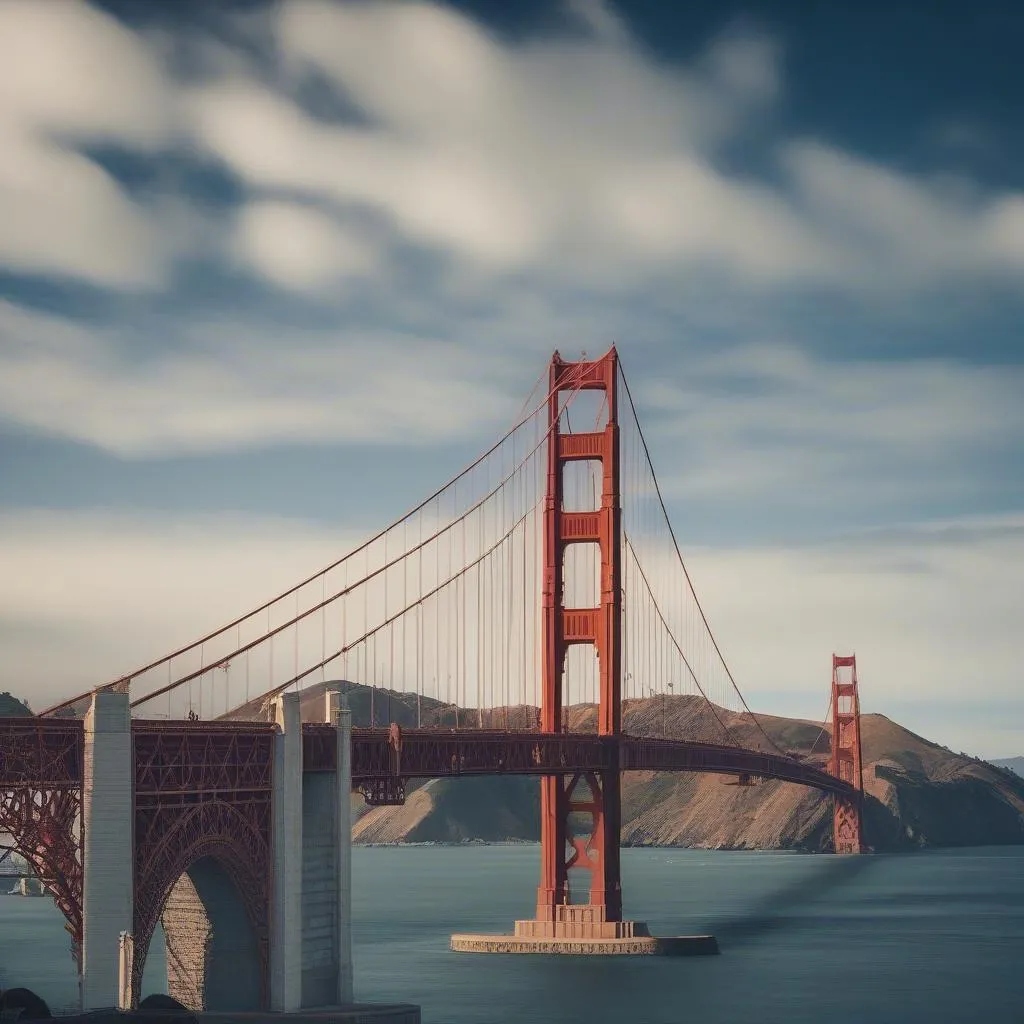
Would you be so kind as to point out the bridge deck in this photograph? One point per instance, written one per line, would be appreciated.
(48, 751)
(436, 753)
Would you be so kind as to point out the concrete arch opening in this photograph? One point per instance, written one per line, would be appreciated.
(213, 957)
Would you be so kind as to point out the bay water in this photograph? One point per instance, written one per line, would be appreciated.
(904, 939)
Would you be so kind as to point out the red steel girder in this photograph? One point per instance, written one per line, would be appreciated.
(189, 757)
(41, 752)
(41, 772)
(45, 826)
(319, 747)
(436, 753)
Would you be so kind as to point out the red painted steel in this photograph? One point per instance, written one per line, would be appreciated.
(319, 747)
(202, 789)
(439, 753)
(600, 627)
(41, 772)
(845, 762)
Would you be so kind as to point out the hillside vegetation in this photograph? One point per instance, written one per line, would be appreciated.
(12, 707)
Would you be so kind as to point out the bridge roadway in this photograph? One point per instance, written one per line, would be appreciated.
(48, 752)
(436, 753)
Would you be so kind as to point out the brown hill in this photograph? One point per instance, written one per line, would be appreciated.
(919, 794)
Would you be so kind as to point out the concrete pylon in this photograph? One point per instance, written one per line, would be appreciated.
(107, 813)
(286, 911)
(327, 870)
(344, 848)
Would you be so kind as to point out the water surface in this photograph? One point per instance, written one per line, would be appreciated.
(906, 939)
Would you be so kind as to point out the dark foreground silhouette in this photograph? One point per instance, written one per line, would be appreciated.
(23, 1004)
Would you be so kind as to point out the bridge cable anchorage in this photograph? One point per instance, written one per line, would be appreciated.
(682, 564)
(294, 590)
(499, 657)
(443, 531)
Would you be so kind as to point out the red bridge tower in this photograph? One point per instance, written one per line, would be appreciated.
(845, 762)
(592, 796)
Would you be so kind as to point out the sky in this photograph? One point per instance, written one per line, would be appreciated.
(271, 272)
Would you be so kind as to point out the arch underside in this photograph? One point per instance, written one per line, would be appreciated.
(204, 869)
(213, 960)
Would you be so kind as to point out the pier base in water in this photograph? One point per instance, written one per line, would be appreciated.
(605, 938)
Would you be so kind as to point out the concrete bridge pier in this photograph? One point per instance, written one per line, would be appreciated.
(107, 813)
(311, 944)
(286, 909)
(327, 871)
(309, 912)
(342, 716)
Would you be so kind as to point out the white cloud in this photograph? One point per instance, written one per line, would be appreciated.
(299, 247)
(767, 420)
(1003, 231)
(75, 71)
(530, 157)
(897, 230)
(520, 167)
(102, 593)
(746, 64)
(73, 74)
(64, 215)
(527, 157)
(600, 18)
(931, 612)
(215, 388)
(520, 158)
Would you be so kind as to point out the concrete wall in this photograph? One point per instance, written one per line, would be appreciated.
(319, 890)
(286, 909)
(107, 815)
(327, 872)
(343, 844)
(212, 952)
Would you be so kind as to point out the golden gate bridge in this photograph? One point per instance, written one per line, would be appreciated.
(524, 614)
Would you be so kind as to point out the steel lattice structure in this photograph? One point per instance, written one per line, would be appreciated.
(41, 769)
(202, 790)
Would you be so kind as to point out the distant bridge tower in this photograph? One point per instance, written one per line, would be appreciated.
(845, 762)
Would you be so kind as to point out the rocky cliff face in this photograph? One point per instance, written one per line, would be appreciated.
(918, 793)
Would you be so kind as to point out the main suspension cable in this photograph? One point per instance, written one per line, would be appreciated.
(682, 564)
(126, 678)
